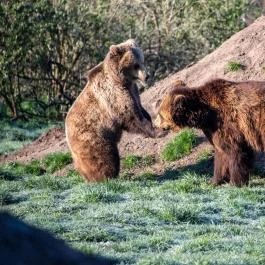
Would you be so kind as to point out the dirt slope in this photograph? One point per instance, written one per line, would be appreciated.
(246, 47)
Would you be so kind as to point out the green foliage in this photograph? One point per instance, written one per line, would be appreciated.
(234, 66)
(49, 164)
(33, 168)
(189, 183)
(47, 46)
(33, 84)
(146, 176)
(56, 161)
(180, 146)
(180, 214)
(48, 182)
(133, 161)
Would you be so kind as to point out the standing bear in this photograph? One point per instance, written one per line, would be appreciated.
(231, 115)
(108, 105)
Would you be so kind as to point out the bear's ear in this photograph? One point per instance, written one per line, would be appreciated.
(119, 49)
(116, 50)
(178, 105)
(125, 60)
(179, 100)
(130, 42)
(94, 71)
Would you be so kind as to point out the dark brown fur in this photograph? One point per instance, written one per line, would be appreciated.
(231, 115)
(109, 104)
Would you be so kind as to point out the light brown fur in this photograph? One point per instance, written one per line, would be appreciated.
(109, 104)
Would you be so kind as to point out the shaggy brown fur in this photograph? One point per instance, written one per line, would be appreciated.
(231, 115)
(109, 104)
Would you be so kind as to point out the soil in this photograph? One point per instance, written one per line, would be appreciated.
(246, 47)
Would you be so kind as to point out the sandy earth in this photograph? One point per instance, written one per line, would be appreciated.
(246, 47)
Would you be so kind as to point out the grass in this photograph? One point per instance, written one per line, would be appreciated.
(233, 66)
(182, 220)
(176, 218)
(205, 155)
(49, 164)
(180, 146)
(133, 161)
(56, 161)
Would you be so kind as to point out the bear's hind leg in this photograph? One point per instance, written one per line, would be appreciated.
(99, 165)
(221, 168)
(102, 171)
(240, 162)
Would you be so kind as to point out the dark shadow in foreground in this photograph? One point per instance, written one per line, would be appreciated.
(26, 245)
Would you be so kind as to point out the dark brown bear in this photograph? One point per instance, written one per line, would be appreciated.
(108, 105)
(231, 115)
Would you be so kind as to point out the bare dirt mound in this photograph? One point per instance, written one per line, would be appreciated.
(246, 47)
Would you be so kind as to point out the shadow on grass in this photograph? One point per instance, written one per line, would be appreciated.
(6, 198)
(204, 167)
(9, 176)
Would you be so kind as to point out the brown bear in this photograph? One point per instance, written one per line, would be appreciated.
(108, 105)
(231, 115)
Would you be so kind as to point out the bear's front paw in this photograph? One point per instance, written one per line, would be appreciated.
(217, 182)
(213, 181)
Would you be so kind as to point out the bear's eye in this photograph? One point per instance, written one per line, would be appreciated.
(136, 66)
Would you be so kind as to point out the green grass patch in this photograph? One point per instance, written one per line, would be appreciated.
(180, 146)
(56, 161)
(133, 161)
(33, 168)
(179, 214)
(49, 182)
(49, 164)
(233, 66)
(146, 176)
(189, 183)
